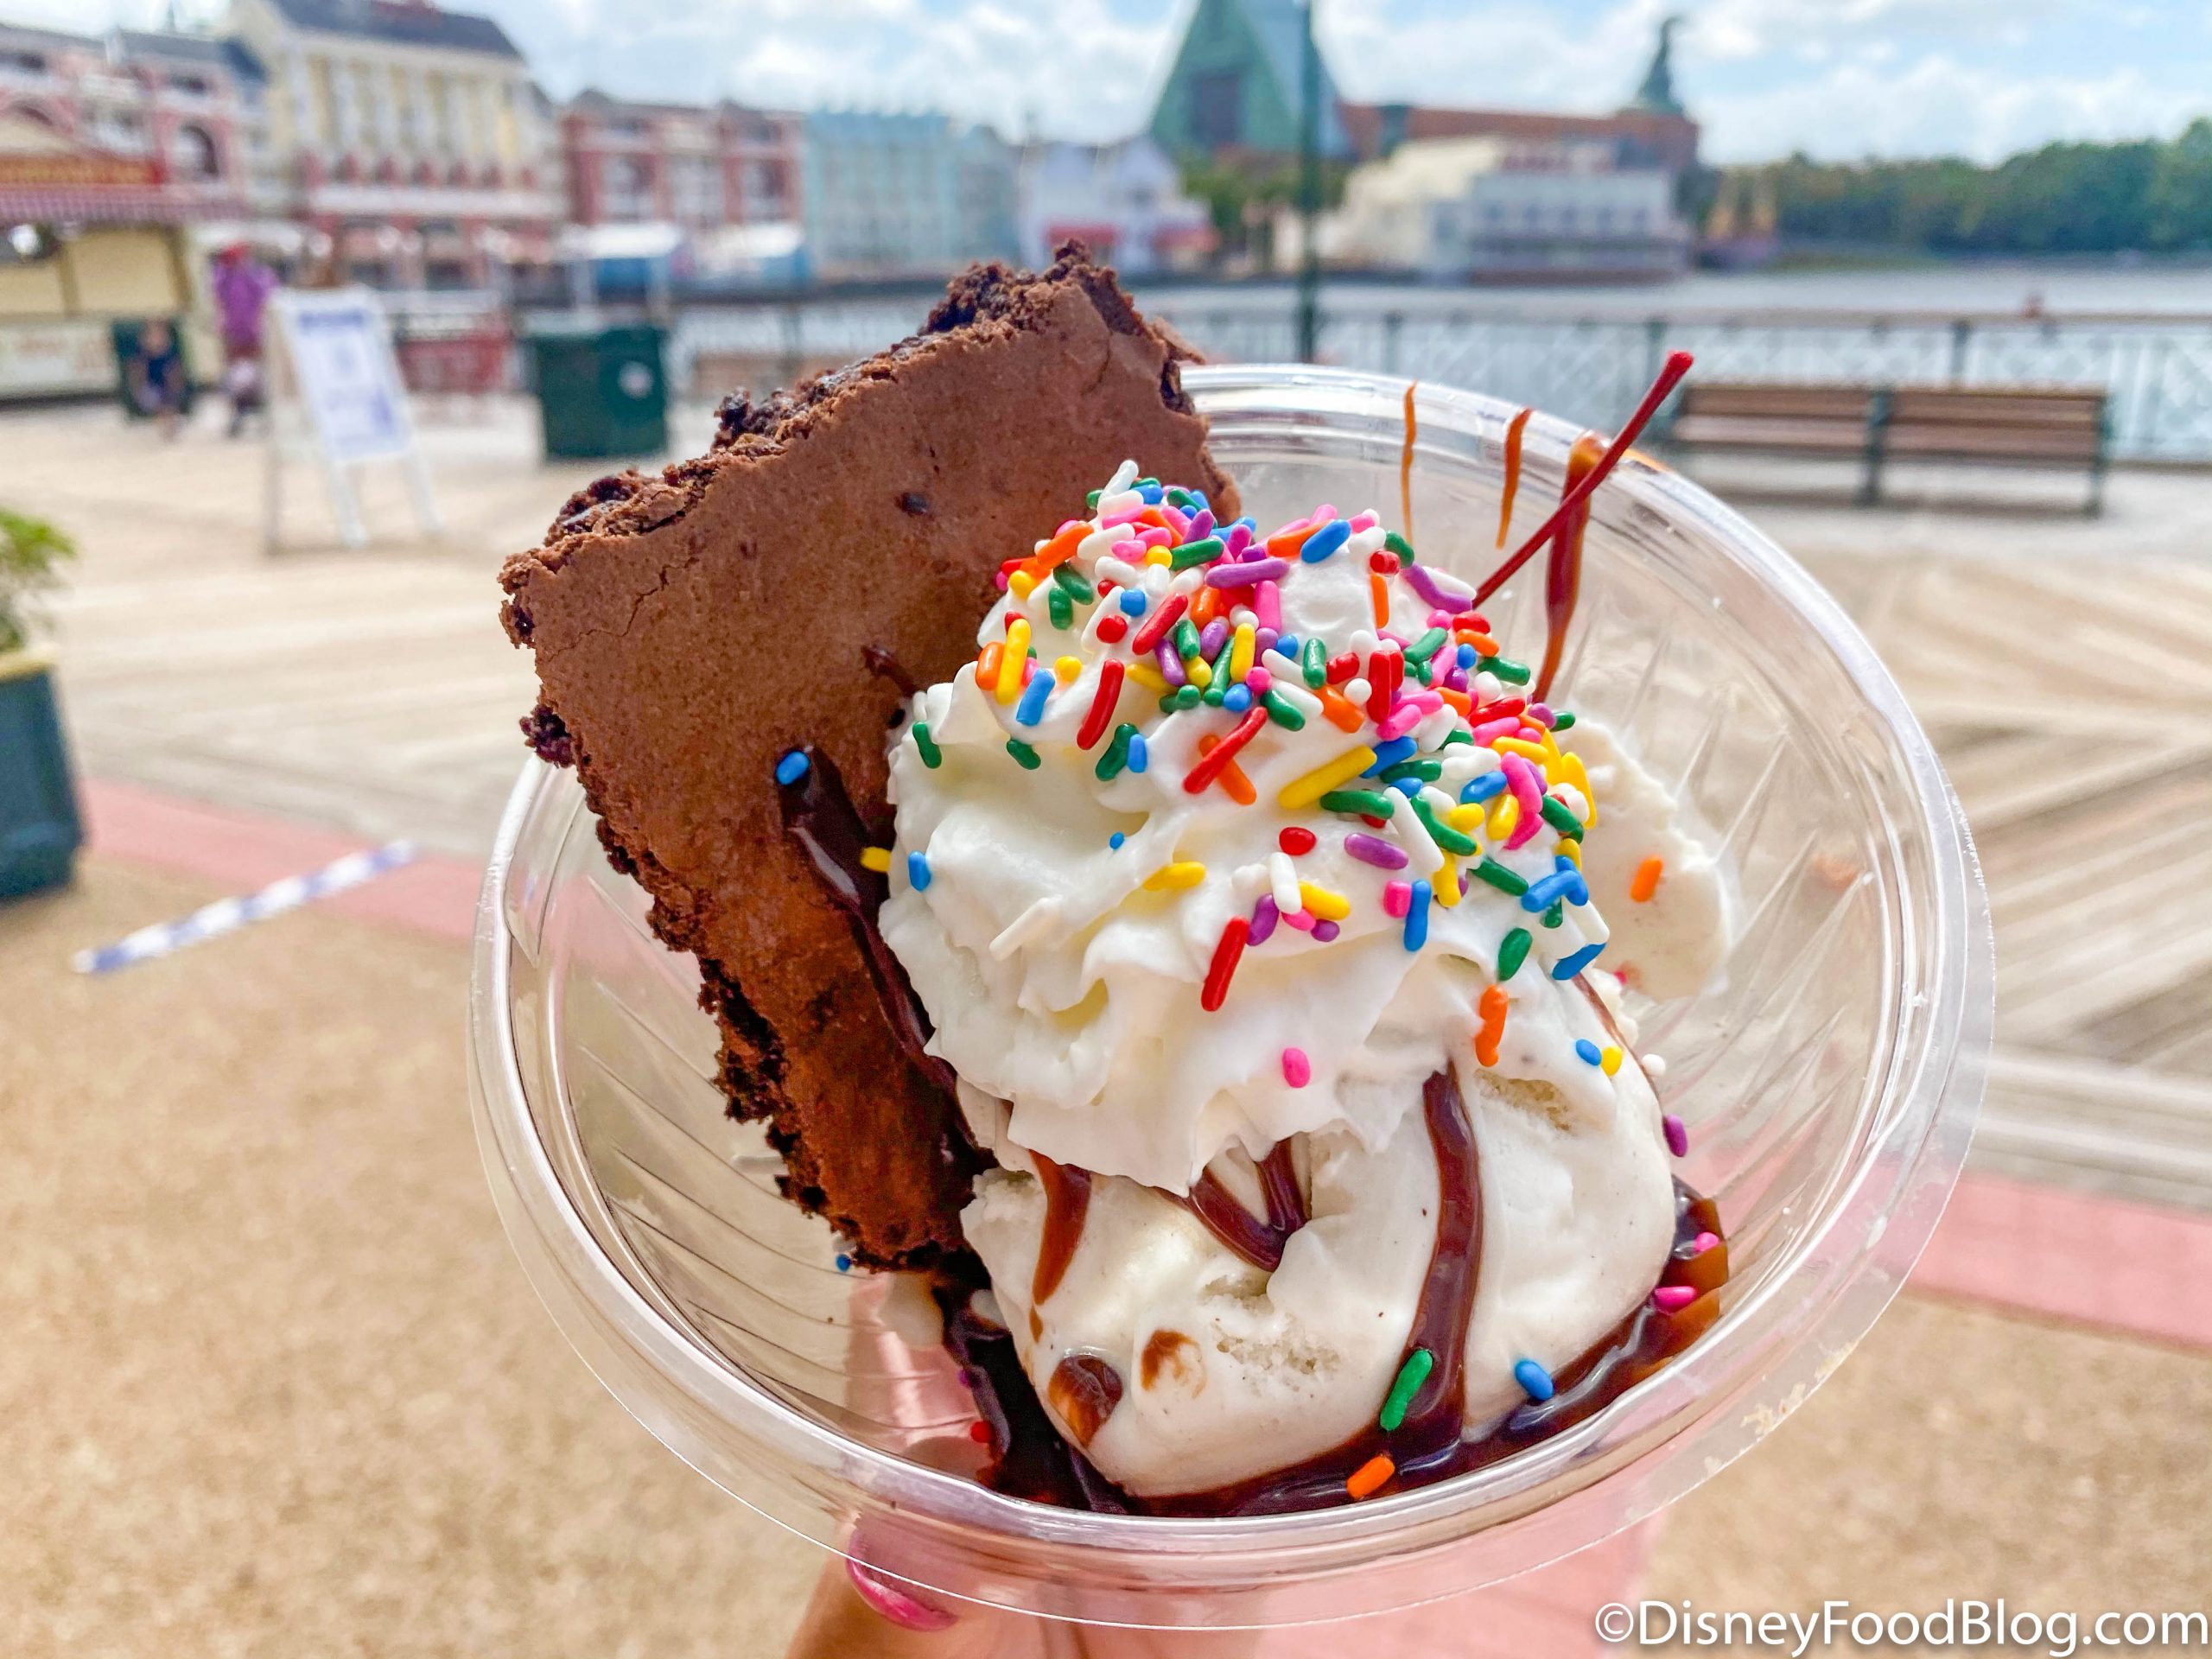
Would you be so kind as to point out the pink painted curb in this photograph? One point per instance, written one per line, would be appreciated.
(2107, 1264)
(242, 851)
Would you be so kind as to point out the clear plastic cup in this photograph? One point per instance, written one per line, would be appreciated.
(1829, 1078)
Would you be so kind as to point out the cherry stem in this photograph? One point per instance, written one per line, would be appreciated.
(1678, 365)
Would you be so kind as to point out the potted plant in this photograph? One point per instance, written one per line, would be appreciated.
(39, 828)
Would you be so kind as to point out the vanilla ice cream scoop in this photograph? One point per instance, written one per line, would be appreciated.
(1244, 888)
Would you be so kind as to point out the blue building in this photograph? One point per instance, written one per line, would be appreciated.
(903, 194)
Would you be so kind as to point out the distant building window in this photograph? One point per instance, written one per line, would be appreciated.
(629, 184)
(23, 63)
(196, 154)
(695, 185)
(192, 86)
(764, 186)
(1216, 115)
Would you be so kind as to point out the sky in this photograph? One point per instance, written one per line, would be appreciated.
(1836, 79)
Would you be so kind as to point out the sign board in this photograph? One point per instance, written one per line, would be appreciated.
(338, 368)
(70, 354)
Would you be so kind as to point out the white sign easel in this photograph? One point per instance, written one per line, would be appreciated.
(335, 391)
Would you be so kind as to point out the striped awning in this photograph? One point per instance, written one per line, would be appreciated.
(145, 204)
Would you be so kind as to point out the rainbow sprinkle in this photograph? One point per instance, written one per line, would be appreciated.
(1512, 952)
(1411, 1375)
(1491, 1009)
(1227, 953)
(1170, 877)
(1416, 934)
(1371, 1476)
(1444, 767)
(1304, 792)
(1646, 880)
(1568, 966)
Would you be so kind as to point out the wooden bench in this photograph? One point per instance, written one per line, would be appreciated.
(2004, 426)
(1998, 426)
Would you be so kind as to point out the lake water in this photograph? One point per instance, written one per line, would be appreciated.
(2142, 334)
(2060, 288)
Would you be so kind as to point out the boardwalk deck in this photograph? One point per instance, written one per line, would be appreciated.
(2063, 670)
(2072, 702)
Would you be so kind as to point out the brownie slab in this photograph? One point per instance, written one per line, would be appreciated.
(692, 626)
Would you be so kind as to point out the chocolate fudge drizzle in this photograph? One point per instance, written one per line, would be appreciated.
(1084, 1389)
(1258, 1242)
(882, 664)
(1031, 1458)
(1067, 1202)
(819, 815)
(1425, 1446)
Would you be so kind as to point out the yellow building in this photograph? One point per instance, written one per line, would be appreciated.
(88, 238)
(410, 136)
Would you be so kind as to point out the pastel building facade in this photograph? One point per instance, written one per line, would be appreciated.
(409, 140)
(699, 168)
(1125, 200)
(169, 110)
(1491, 209)
(885, 195)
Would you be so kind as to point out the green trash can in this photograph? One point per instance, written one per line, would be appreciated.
(39, 830)
(140, 361)
(601, 392)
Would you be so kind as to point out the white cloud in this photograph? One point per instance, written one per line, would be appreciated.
(1512, 55)
(1832, 77)
(1936, 105)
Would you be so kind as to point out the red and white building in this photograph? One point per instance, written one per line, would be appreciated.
(408, 140)
(130, 127)
(699, 168)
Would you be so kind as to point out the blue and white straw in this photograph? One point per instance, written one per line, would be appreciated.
(227, 915)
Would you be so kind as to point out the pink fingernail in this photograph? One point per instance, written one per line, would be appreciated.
(893, 1602)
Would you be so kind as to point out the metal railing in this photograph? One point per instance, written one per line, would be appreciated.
(2155, 369)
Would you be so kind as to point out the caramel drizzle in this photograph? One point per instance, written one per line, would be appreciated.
(1406, 467)
(1515, 429)
(1563, 565)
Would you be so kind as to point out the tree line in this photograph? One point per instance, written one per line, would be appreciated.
(2149, 196)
